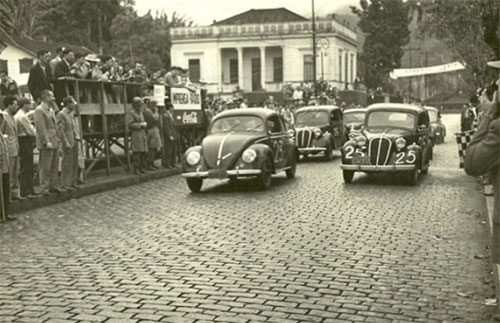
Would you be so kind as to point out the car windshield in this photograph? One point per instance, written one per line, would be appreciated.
(390, 119)
(311, 118)
(354, 117)
(433, 116)
(238, 124)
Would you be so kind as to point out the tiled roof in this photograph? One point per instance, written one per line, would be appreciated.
(258, 16)
(33, 46)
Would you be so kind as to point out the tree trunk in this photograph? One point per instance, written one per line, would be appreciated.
(99, 32)
(89, 33)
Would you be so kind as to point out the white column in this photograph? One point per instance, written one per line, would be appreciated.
(263, 67)
(240, 67)
(219, 70)
(340, 66)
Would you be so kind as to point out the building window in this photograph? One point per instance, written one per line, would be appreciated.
(3, 65)
(194, 70)
(25, 65)
(278, 69)
(233, 70)
(308, 68)
(340, 66)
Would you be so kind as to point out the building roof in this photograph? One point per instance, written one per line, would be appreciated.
(32, 46)
(259, 16)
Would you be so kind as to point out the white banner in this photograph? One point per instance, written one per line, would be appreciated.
(407, 72)
(183, 99)
(159, 94)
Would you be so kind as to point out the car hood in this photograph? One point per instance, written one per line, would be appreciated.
(354, 125)
(223, 150)
(407, 135)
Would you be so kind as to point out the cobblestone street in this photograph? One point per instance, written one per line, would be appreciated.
(308, 250)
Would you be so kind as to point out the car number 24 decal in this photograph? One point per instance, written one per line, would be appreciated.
(411, 157)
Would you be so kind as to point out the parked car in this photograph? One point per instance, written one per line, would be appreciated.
(395, 139)
(250, 142)
(354, 119)
(438, 129)
(319, 130)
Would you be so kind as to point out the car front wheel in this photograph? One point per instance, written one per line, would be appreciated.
(264, 179)
(348, 175)
(412, 177)
(329, 152)
(290, 173)
(194, 184)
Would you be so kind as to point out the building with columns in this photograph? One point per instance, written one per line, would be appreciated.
(261, 49)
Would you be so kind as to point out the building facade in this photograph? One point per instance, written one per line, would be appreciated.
(263, 49)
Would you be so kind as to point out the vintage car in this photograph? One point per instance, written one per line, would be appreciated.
(354, 119)
(395, 139)
(319, 130)
(438, 129)
(250, 142)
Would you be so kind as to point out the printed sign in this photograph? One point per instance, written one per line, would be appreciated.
(408, 72)
(159, 94)
(183, 99)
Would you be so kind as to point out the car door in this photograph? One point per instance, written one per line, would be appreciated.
(278, 140)
(337, 127)
(424, 129)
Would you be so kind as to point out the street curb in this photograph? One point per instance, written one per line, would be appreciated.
(495, 267)
(106, 184)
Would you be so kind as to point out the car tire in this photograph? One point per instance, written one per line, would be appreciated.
(290, 173)
(348, 175)
(424, 169)
(264, 179)
(412, 177)
(194, 184)
(329, 152)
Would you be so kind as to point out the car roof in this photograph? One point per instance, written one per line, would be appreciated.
(328, 108)
(396, 106)
(354, 110)
(430, 108)
(259, 112)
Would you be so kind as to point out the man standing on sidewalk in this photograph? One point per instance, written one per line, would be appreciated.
(170, 136)
(47, 142)
(9, 130)
(483, 156)
(69, 163)
(27, 136)
(4, 182)
(137, 126)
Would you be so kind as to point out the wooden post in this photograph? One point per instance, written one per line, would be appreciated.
(105, 130)
(125, 138)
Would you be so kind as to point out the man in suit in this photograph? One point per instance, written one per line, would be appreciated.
(137, 126)
(47, 142)
(53, 62)
(9, 130)
(69, 163)
(63, 71)
(4, 168)
(40, 76)
(170, 136)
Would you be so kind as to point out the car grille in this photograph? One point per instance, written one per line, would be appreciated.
(379, 151)
(304, 138)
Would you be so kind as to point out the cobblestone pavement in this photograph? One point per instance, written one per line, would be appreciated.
(311, 249)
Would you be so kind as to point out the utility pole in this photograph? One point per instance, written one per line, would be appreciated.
(425, 76)
(314, 50)
(410, 49)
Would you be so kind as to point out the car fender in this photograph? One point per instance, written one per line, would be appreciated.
(263, 151)
(418, 153)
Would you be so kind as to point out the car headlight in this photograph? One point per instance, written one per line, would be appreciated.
(193, 158)
(360, 140)
(249, 156)
(400, 143)
(291, 132)
(317, 132)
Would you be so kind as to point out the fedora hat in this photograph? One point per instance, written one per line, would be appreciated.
(495, 64)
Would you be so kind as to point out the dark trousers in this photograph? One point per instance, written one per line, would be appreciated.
(26, 169)
(170, 153)
(139, 159)
(6, 193)
(151, 157)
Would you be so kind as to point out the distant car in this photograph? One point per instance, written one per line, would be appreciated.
(319, 130)
(354, 120)
(250, 142)
(395, 139)
(438, 132)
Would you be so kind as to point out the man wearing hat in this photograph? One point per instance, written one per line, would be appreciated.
(173, 77)
(137, 126)
(483, 156)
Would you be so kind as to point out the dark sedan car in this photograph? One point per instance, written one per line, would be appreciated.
(319, 130)
(395, 139)
(249, 142)
(438, 129)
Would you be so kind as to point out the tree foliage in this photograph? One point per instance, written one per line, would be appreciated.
(385, 25)
(470, 28)
(22, 18)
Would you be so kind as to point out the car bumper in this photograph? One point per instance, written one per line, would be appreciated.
(372, 168)
(311, 150)
(230, 173)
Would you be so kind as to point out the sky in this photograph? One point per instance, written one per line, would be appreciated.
(203, 12)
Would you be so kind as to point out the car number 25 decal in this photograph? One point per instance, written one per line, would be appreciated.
(350, 150)
(411, 157)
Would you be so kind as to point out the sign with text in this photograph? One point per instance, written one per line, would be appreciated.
(159, 94)
(187, 106)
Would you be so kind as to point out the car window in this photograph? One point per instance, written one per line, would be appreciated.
(433, 115)
(354, 117)
(237, 124)
(274, 124)
(423, 118)
(388, 119)
(312, 118)
(337, 115)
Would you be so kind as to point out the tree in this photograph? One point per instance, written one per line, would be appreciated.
(385, 25)
(469, 28)
(22, 18)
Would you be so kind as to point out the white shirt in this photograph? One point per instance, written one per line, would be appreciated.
(24, 126)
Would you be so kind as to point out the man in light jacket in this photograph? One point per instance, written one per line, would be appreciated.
(139, 145)
(69, 163)
(9, 130)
